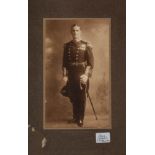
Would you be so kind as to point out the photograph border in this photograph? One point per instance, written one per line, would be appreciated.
(110, 88)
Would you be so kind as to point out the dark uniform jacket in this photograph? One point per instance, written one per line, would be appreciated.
(78, 54)
(78, 60)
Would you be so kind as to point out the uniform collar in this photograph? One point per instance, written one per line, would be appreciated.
(76, 42)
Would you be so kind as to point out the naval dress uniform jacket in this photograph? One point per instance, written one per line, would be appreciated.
(78, 60)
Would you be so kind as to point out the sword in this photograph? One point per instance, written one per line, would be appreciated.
(91, 104)
(87, 92)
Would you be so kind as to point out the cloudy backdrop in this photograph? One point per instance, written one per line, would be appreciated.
(57, 109)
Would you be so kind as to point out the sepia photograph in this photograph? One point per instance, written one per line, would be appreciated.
(77, 73)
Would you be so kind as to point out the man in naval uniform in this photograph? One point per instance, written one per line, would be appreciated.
(78, 63)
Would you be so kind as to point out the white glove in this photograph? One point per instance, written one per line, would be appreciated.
(65, 78)
(83, 79)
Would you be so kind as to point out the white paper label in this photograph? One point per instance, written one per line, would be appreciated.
(103, 137)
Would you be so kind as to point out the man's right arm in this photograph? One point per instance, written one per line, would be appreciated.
(64, 66)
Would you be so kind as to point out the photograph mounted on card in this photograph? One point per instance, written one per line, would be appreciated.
(77, 77)
(77, 73)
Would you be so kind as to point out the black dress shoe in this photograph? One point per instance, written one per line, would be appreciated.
(80, 123)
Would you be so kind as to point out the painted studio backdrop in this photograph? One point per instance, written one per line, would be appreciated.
(57, 108)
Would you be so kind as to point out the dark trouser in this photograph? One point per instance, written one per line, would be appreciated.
(79, 103)
(77, 93)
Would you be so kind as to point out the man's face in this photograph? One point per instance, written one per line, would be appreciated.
(75, 31)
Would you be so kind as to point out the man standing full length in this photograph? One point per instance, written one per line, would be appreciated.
(78, 63)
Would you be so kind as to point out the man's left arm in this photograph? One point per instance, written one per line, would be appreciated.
(90, 64)
(90, 61)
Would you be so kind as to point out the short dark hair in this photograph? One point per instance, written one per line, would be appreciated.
(74, 26)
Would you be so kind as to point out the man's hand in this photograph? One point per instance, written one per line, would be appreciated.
(83, 79)
(65, 78)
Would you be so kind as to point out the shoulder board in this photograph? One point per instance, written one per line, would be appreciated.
(84, 42)
(89, 45)
(70, 43)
